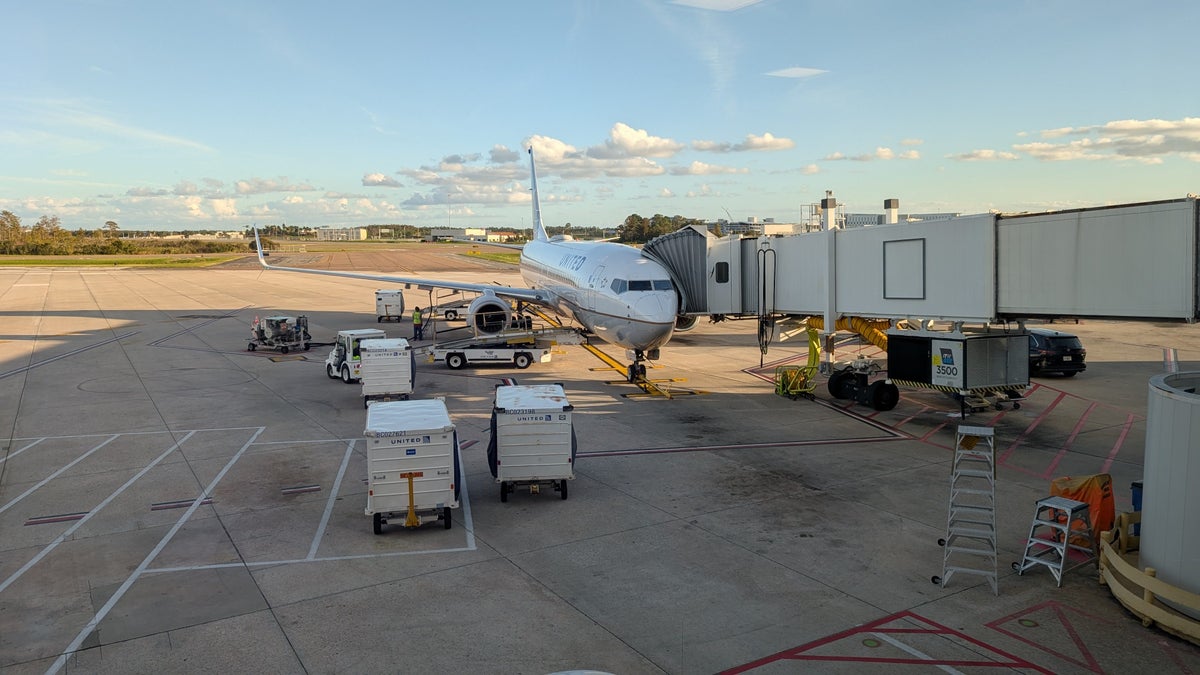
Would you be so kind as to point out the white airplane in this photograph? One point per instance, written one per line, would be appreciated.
(612, 290)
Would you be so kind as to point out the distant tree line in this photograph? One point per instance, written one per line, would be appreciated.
(639, 230)
(47, 237)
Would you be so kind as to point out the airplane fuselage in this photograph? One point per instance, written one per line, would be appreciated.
(610, 288)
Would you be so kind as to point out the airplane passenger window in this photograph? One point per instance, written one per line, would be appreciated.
(662, 285)
(640, 285)
(619, 286)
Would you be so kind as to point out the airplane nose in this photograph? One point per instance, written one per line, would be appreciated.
(655, 307)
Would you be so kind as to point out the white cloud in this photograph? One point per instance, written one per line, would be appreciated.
(666, 193)
(255, 186)
(380, 180)
(810, 170)
(880, 153)
(984, 155)
(1147, 141)
(912, 141)
(501, 154)
(702, 169)
(766, 142)
(625, 141)
(716, 5)
(797, 72)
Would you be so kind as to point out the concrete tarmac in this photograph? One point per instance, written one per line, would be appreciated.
(171, 502)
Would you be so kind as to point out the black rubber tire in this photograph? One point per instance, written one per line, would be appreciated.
(522, 360)
(450, 315)
(503, 491)
(883, 396)
(283, 349)
(1016, 406)
(837, 384)
(251, 347)
(937, 581)
(449, 522)
(366, 401)
(941, 542)
(346, 375)
(330, 372)
(379, 319)
(562, 488)
(1016, 567)
(307, 346)
(455, 361)
(377, 523)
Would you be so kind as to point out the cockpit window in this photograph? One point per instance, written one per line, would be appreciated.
(621, 285)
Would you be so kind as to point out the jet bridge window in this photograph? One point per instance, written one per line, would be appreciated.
(722, 272)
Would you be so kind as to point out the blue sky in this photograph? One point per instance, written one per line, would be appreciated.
(217, 115)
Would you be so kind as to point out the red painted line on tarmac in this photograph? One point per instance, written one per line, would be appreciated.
(1062, 452)
(61, 518)
(798, 653)
(1056, 607)
(934, 431)
(910, 418)
(1112, 454)
(178, 504)
(1033, 425)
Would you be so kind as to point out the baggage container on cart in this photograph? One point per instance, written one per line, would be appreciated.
(389, 305)
(413, 469)
(387, 369)
(533, 440)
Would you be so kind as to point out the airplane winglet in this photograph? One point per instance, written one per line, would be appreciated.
(258, 248)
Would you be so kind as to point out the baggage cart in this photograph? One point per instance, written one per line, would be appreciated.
(389, 305)
(533, 441)
(413, 472)
(387, 369)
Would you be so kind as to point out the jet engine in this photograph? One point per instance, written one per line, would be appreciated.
(685, 323)
(488, 314)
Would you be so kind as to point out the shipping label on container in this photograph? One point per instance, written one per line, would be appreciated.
(947, 366)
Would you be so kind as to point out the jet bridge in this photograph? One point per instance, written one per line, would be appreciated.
(1127, 262)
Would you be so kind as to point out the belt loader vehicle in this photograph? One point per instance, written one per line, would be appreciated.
(279, 332)
(533, 440)
(387, 369)
(344, 359)
(413, 470)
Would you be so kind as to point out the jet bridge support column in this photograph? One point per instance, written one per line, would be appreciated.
(830, 326)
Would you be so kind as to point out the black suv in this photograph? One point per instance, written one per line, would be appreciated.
(1052, 351)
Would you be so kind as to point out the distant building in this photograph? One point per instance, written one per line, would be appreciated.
(451, 233)
(341, 234)
(501, 236)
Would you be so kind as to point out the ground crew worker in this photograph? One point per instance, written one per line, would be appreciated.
(418, 327)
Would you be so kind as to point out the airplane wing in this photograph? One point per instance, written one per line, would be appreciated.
(522, 294)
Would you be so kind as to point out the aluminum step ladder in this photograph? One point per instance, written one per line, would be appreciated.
(1059, 526)
(969, 546)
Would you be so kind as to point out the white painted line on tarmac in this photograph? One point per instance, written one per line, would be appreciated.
(337, 484)
(56, 474)
(10, 456)
(915, 652)
(295, 561)
(162, 543)
(71, 530)
(73, 352)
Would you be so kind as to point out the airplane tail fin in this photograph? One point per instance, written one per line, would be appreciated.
(539, 231)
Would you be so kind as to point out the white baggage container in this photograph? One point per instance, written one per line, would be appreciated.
(387, 369)
(389, 305)
(417, 438)
(533, 440)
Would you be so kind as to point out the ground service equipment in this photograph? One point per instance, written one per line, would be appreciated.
(389, 305)
(412, 463)
(979, 369)
(533, 440)
(344, 359)
(280, 332)
(387, 370)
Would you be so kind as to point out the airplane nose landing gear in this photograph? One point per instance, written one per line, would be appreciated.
(637, 370)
